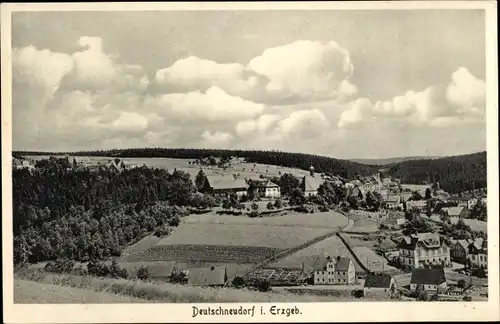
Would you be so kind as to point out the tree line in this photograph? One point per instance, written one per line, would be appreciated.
(81, 215)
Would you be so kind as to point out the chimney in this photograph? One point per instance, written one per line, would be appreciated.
(338, 258)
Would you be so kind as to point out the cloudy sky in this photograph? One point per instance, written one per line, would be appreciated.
(347, 84)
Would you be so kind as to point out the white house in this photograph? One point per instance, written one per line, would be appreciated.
(379, 283)
(428, 279)
(271, 190)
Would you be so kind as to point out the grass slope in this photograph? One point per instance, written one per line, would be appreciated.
(164, 292)
(30, 292)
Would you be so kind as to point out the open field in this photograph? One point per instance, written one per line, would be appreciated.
(290, 219)
(475, 225)
(365, 225)
(237, 235)
(243, 169)
(332, 246)
(30, 292)
(162, 292)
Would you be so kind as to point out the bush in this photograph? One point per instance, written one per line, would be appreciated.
(434, 297)
(358, 293)
(174, 221)
(60, 266)
(278, 204)
(238, 282)
(143, 273)
(270, 206)
(423, 296)
(263, 285)
(80, 271)
(467, 298)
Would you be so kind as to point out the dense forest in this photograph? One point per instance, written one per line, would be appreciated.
(455, 174)
(82, 215)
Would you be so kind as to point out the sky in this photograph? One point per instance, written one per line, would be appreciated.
(346, 84)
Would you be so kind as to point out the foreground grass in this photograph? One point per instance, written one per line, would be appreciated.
(165, 292)
(30, 292)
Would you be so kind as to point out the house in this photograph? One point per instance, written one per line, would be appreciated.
(459, 212)
(345, 272)
(324, 271)
(311, 183)
(225, 185)
(420, 205)
(339, 271)
(379, 283)
(387, 245)
(478, 254)
(422, 249)
(213, 276)
(459, 250)
(22, 164)
(271, 190)
(116, 165)
(467, 202)
(428, 279)
(393, 202)
(355, 191)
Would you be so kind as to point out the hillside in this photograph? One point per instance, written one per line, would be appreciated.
(344, 168)
(455, 173)
(387, 161)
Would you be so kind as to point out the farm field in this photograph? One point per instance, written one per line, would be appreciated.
(331, 246)
(474, 224)
(237, 235)
(205, 253)
(365, 225)
(290, 219)
(30, 292)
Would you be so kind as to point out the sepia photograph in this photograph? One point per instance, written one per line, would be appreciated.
(250, 164)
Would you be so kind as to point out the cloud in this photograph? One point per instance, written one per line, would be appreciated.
(466, 91)
(261, 124)
(96, 71)
(217, 139)
(459, 101)
(213, 105)
(297, 72)
(306, 69)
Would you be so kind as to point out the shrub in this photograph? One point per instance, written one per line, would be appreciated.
(434, 297)
(174, 221)
(467, 298)
(238, 282)
(60, 266)
(423, 296)
(278, 204)
(80, 271)
(263, 285)
(143, 273)
(270, 206)
(358, 293)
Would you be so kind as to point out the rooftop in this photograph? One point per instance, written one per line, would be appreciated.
(428, 276)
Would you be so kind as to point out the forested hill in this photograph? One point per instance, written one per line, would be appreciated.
(343, 168)
(455, 173)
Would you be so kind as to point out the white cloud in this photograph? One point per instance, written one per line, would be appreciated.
(462, 98)
(303, 123)
(306, 69)
(217, 139)
(213, 105)
(300, 71)
(466, 91)
(96, 71)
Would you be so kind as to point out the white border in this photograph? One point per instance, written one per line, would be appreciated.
(313, 312)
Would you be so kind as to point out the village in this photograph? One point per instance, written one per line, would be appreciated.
(422, 265)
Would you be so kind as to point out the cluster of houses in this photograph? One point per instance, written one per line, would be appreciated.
(224, 185)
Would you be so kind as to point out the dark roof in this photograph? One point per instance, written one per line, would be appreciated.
(320, 264)
(213, 276)
(426, 240)
(225, 182)
(343, 264)
(428, 276)
(378, 281)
